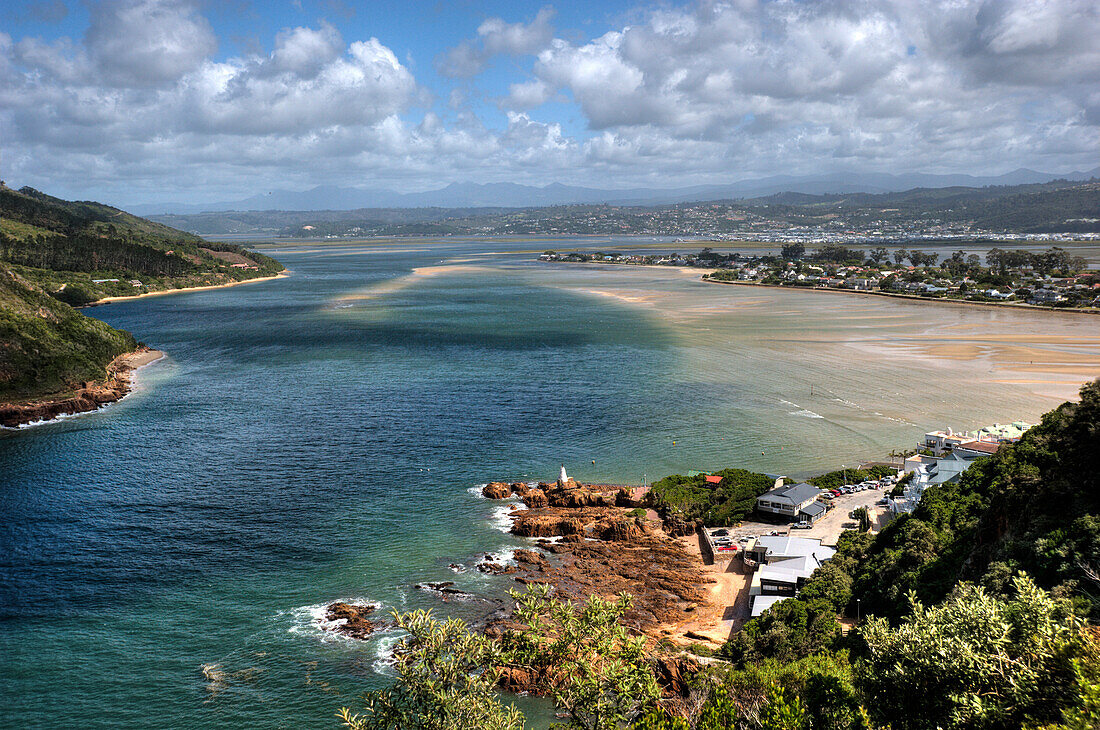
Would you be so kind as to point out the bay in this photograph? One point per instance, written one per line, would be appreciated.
(319, 437)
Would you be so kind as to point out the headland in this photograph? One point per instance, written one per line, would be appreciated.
(116, 384)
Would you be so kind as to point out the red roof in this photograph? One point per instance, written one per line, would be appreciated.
(984, 447)
(714, 479)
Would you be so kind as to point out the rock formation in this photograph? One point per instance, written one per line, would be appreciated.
(355, 617)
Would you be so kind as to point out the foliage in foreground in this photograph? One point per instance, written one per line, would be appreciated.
(579, 655)
(977, 661)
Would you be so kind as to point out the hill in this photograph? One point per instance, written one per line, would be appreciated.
(83, 251)
(512, 195)
(46, 346)
(56, 253)
(1048, 207)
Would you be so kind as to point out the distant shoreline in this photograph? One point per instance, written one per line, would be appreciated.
(910, 297)
(110, 300)
(92, 396)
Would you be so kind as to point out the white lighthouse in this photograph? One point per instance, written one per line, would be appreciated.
(564, 477)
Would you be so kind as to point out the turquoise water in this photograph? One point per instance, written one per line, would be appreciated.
(318, 437)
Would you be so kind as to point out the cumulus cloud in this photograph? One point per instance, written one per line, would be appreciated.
(705, 92)
(881, 82)
(497, 37)
(147, 43)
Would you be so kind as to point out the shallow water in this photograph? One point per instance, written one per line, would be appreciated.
(317, 438)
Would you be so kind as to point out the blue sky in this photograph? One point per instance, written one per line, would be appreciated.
(150, 100)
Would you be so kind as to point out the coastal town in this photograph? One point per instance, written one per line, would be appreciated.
(1051, 278)
(697, 582)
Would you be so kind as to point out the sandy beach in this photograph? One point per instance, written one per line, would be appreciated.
(184, 290)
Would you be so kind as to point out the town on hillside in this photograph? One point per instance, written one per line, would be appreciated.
(1050, 278)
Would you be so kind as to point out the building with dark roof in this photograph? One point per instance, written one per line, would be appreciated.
(797, 503)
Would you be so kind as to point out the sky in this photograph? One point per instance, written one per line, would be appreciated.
(141, 101)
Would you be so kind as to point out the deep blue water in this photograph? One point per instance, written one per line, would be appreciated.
(291, 451)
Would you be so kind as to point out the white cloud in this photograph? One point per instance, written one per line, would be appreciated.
(527, 95)
(149, 42)
(497, 37)
(709, 92)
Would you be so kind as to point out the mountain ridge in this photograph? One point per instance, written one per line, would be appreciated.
(514, 195)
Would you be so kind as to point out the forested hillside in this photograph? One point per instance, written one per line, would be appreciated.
(80, 252)
(46, 345)
(55, 253)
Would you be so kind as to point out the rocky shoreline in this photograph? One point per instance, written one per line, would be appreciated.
(595, 540)
(90, 396)
(588, 539)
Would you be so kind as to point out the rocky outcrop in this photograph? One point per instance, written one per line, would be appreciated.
(530, 557)
(445, 589)
(621, 530)
(496, 490)
(518, 679)
(573, 496)
(535, 499)
(623, 498)
(528, 524)
(354, 620)
(676, 526)
(675, 673)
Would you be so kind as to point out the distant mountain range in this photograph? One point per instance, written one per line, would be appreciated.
(511, 195)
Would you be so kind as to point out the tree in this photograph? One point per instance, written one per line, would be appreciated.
(446, 679)
(578, 654)
(789, 630)
(880, 254)
(793, 251)
(976, 661)
(900, 255)
(591, 667)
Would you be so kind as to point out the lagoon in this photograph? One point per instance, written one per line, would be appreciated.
(317, 438)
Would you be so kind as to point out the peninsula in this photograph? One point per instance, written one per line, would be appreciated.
(56, 255)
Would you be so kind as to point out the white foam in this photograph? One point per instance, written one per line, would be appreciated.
(311, 620)
(476, 491)
(804, 412)
(60, 417)
(501, 516)
(388, 639)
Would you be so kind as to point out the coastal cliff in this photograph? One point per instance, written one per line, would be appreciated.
(89, 396)
(56, 255)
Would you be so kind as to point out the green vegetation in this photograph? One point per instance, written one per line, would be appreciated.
(976, 612)
(55, 253)
(47, 345)
(580, 655)
(976, 660)
(82, 251)
(693, 498)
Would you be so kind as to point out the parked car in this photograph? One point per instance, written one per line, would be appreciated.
(802, 526)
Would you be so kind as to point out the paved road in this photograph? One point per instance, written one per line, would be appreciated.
(829, 527)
